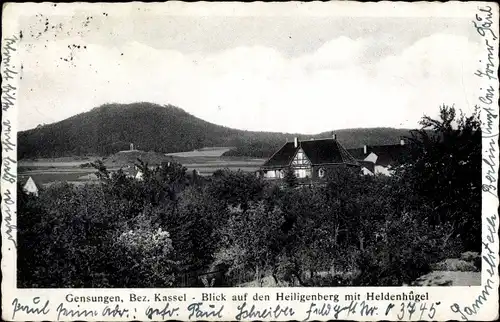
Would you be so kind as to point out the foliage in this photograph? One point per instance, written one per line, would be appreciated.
(194, 228)
(348, 230)
(70, 241)
(235, 188)
(247, 243)
(445, 172)
(147, 257)
(290, 178)
(401, 256)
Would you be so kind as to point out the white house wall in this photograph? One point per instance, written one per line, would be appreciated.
(383, 170)
(273, 174)
(366, 172)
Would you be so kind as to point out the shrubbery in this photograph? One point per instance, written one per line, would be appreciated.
(167, 228)
(146, 258)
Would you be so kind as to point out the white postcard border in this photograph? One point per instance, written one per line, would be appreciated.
(460, 303)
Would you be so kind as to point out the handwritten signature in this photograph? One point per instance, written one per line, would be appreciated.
(490, 259)
(8, 91)
(7, 144)
(199, 312)
(8, 176)
(28, 309)
(8, 216)
(483, 23)
(8, 163)
(254, 313)
(165, 312)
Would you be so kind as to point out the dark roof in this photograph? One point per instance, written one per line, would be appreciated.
(357, 153)
(320, 151)
(387, 154)
(282, 157)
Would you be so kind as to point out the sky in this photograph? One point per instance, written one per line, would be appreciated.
(295, 71)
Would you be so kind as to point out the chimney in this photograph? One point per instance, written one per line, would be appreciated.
(365, 149)
(296, 142)
(334, 136)
(402, 141)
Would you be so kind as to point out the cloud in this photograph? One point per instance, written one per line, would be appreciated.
(342, 52)
(257, 87)
(435, 70)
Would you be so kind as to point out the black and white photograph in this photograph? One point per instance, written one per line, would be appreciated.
(234, 148)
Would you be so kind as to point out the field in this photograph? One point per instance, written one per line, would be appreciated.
(69, 169)
(203, 152)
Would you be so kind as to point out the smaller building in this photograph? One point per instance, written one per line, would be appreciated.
(134, 172)
(381, 159)
(310, 159)
(30, 187)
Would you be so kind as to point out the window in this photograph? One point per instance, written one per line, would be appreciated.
(302, 173)
(321, 172)
(270, 174)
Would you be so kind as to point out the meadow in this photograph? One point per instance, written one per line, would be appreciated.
(206, 161)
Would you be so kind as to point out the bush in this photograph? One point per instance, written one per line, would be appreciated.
(454, 265)
(401, 257)
(330, 280)
(67, 238)
(86, 165)
(143, 259)
(251, 240)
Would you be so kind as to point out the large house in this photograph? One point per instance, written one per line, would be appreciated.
(309, 159)
(380, 159)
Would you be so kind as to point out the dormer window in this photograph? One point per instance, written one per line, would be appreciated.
(321, 172)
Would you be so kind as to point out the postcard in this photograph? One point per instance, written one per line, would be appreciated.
(227, 161)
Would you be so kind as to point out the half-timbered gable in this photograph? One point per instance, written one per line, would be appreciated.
(301, 160)
(309, 159)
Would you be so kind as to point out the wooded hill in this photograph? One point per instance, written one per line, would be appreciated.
(112, 127)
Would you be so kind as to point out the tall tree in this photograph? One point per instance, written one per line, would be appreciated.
(446, 171)
(290, 178)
